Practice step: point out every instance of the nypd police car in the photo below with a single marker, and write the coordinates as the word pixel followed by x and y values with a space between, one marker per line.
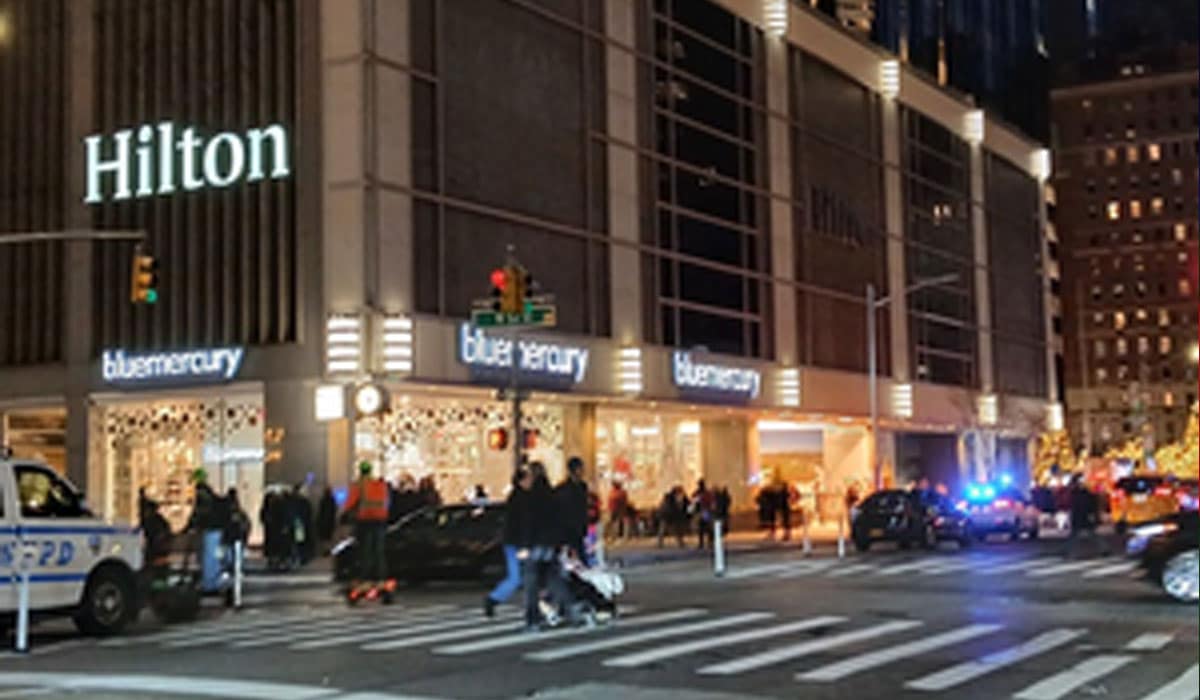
pixel 77 564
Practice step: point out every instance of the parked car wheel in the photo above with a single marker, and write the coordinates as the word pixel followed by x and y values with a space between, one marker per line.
pixel 1181 576
pixel 108 602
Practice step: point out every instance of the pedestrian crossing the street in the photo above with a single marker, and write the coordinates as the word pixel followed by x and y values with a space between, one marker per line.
pixel 837 647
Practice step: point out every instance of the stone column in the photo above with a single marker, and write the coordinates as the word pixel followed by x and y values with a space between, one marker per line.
pixel 983 285
pixel 897 271
pixel 779 154
pixel 729 450
pixel 302 445
pixel 625 289
pixel 579 437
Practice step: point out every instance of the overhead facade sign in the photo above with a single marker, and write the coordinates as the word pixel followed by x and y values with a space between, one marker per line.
pixel 159 159
pixel 532 357
pixel 213 364
pixel 712 378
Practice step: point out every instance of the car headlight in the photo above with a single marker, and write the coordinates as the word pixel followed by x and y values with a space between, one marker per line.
pixel 341 546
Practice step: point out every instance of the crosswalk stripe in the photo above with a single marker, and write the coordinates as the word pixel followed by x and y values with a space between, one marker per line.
pixel 1185 687
pixel 905 567
pixel 426 618
pixel 803 569
pixel 676 650
pixel 519 638
pixel 759 570
pixel 795 651
pixel 391 631
pixel 496 626
pixel 1112 569
pixel 570 650
pixel 1063 568
pixel 1061 684
pixel 324 624
pixel 956 675
pixel 1150 641
pixel 873 659
pixel 216 626
pixel 850 570
pixel 950 567
pixel 1019 565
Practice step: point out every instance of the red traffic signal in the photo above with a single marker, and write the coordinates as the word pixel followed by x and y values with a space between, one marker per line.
pixel 499 278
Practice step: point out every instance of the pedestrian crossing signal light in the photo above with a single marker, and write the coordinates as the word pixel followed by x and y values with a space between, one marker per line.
pixel 143 285
pixel 497 439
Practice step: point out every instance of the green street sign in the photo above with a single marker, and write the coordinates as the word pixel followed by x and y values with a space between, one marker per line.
pixel 541 315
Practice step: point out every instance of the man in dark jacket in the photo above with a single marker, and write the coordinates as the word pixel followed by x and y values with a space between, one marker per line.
pixel 571 497
pixel 516 511
pixel 540 540
pixel 1085 516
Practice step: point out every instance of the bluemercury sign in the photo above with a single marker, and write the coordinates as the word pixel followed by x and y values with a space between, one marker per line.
pixel 533 357
pixel 718 379
pixel 142 162
pixel 214 364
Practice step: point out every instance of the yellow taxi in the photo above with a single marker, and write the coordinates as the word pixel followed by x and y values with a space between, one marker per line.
pixel 1139 499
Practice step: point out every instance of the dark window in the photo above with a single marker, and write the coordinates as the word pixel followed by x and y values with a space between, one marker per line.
pixel 44 494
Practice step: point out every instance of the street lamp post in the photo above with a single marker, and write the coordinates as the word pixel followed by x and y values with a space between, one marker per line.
pixel 874 304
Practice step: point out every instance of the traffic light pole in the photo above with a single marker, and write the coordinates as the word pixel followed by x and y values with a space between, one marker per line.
pixel 70 235
pixel 514 389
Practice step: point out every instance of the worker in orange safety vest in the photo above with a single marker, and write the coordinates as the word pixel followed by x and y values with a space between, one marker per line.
pixel 367 508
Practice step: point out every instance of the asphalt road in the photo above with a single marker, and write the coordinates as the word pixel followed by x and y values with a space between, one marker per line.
pixel 1003 620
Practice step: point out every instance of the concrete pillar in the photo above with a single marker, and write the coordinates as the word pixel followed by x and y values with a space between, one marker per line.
pixel 1047 297
pixel 983 285
pixel 729 454
pixel 301 445
pixel 623 205
pixel 897 270
pixel 579 437
pixel 77 258
pixel 779 169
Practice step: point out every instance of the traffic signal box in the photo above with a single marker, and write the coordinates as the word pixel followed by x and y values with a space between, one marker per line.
pixel 143 283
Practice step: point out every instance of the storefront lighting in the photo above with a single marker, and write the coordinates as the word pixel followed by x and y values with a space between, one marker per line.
pixel 397 345
pixel 989 409
pixel 889 78
pixel 786 426
pixel 775 17
pixel 343 345
pixel 1040 164
pixel 1055 418
pixel 644 431
pixel 788 385
pixel 973 126
pixel 629 370
pixel 689 427
pixel 329 402
pixel 902 400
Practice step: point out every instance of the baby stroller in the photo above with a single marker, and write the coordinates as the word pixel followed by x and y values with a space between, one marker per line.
pixel 594 590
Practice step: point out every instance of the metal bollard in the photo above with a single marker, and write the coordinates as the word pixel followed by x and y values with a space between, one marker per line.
pixel 237 574
pixel 600 543
pixel 25 563
pixel 718 549
pixel 841 547
pixel 806 541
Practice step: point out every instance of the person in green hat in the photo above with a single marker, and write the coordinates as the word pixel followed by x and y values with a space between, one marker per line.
pixel 367 509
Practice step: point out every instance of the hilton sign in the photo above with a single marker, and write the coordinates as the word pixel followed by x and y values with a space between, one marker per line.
pixel 141 162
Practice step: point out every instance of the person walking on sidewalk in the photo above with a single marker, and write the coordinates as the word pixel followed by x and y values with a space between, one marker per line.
pixel 540 541
pixel 367 509
pixel 516 513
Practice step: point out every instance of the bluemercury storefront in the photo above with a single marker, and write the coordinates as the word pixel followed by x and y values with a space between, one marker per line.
pixel 163 415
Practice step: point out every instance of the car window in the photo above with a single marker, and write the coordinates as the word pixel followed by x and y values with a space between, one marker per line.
pixel 44 495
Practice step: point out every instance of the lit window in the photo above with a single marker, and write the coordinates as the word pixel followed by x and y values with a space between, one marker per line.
pixel 1143 345
pixel 1180 231
pixel 1156 206
pixel 1122 347
pixel 1135 209
pixel 1154 152
pixel 1098 318
pixel 1176 176
pixel 1141 288
pixel 1097 291
pixel 1118 290
pixel 1122 372
pixel 1087 104
pixel 1168 400
pixel 1131 153
pixel 1110 156
pixel 1142 315
pixel 1114 211
pixel 1119 320
pixel 1185 287
pixel 1164 318
pixel 1099 349
pixel 1164 345
pixel 1101 375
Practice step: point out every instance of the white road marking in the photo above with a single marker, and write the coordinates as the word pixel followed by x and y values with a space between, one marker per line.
pixel 392 631
pixel 519 638
pixel 1065 568
pixel 298 626
pixel 1151 641
pixel 850 570
pixel 906 567
pixel 805 568
pixel 425 619
pixel 226 622
pixel 873 659
pixel 272 580
pixel 648 656
pixel 1062 684
pixel 795 651
pixel 1185 687
pixel 452 635
pixel 1019 565
pixel 956 675
pixel 1111 569
pixel 187 685
pixel 950 567
pixel 607 642
pixel 758 570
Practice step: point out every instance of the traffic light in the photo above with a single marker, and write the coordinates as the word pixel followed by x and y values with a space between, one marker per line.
pixel 499 280
pixel 143 283
pixel 512 295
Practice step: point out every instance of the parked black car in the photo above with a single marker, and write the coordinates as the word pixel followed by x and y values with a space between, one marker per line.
pixel 908 518
pixel 1170 552
pixel 451 542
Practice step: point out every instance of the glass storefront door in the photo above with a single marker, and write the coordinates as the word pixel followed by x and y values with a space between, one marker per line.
pixel 157 444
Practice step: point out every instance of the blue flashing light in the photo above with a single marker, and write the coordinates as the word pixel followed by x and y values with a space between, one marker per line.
pixel 989 491
pixel 1006 480
pixel 974 493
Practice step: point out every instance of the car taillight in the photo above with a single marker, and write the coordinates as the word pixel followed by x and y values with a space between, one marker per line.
pixel 1162 491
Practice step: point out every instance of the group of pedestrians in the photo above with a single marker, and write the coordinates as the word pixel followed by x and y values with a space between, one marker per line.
pixel 291 530
pixel 775 503
pixel 678 514
pixel 541 521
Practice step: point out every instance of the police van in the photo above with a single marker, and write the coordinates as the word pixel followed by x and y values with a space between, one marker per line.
pixel 77 564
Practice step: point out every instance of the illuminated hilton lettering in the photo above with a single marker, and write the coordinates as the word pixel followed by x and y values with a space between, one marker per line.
pixel 142 163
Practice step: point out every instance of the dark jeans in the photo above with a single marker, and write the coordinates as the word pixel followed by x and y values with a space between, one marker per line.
pixel 540 569
pixel 372 565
